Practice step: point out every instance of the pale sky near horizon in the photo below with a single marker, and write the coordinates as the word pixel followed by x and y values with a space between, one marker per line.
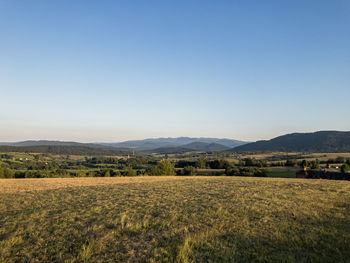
pixel 102 71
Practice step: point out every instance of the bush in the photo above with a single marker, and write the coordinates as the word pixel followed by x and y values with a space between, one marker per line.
pixel 304 164
pixel 90 174
pixel 189 170
pixel 164 167
pixel 6 173
pixel 315 164
pixel 36 174
pixel 291 163
pixel 340 159
pixel 201 164
pixel 344 168
pixel 260 173
pixel 20 174
pixel 130 172
pixel 219 164
pixel 232 171
pixel 115 173
pixel 246 171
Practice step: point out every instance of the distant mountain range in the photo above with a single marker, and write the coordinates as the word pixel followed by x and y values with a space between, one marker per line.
pixel 191 147
pixel 154 145
pixel 322 141
pixel 197 144
pixel 66 150
pixel 46 142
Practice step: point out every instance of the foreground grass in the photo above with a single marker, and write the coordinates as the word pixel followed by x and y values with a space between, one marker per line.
pixel 176 219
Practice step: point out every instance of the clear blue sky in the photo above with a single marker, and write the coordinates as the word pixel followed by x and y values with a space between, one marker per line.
pixel 117 70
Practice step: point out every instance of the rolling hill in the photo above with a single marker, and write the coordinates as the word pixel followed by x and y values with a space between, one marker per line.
pixel 48 143
pixel 321 141
pixel 206 147
pixel 191 147
pixel 65 149
pixel 157 143
pixel 168 150
pixel 154 145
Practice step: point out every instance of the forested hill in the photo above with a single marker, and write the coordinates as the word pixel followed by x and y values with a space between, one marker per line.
pixel 322 141
pixel 174 143
pixel 65 149
pixel 153 145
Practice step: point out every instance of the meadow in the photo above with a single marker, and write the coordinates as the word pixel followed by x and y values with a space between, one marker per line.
pixel 174 219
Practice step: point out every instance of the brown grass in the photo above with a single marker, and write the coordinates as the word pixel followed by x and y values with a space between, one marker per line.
pixel 174 219
pixel 37 184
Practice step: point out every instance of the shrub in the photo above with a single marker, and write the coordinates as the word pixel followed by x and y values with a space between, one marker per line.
pixel 164 167
pixel 35 174
pixel 315 164
pixel 304 163
pixel 6 173
pixel 291 163
pixel 130 172
pixel 232 171
pixel 115 173
pixel 219 164
pixel 246 171
pixel 189 170
pixel 344 168
pixel 201 164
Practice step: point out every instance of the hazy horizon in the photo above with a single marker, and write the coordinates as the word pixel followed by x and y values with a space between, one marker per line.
pixel 162 137
pixel 113 71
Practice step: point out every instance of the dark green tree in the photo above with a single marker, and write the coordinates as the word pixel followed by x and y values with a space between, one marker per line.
pixel 201 164
pixel 340 159
pixel 164 167
pixel 344 168
pixel 304 164
pixel 130 172
pixel 315 164
pixel 189 170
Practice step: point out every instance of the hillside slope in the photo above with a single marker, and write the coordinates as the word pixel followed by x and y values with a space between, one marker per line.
pixel 65 149
pixel 322 141
pixel 206 147
pixel 156 143
pixel 161 145
pixel 191 147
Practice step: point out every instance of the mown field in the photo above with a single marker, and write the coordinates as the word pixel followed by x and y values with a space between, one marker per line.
pixel 174 219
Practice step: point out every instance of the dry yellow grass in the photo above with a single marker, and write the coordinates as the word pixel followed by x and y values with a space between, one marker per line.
pixel 37 184
pixel 40 184
pixel 174 219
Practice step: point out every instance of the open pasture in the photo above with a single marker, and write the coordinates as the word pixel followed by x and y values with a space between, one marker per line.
pixel 174 219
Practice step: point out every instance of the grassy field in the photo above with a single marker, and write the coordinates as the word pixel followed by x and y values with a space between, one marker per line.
pixel 282 172
pixel 174 219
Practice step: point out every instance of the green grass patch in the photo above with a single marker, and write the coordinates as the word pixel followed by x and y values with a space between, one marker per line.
pixel 281 174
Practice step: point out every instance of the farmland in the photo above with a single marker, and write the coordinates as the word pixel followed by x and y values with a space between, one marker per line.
pixel 275 164
pixel 174 219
